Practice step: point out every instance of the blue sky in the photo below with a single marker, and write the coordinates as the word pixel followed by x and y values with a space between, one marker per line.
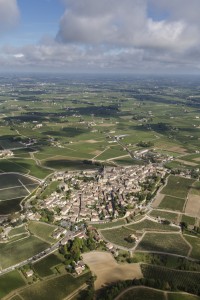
pixel 137 36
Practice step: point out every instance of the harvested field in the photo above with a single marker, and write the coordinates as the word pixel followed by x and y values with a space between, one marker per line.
pixel 188 163
pixel 193 206
pixel 158 200
pixel 108 270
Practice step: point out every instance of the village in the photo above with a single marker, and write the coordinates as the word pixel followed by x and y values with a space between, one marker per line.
pixel 97 196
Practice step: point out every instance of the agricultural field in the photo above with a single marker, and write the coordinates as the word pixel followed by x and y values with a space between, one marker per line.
pixel 17 231
pixel 195 243
pixel 192 207
pixel 110 224
pixel 10 282
pixel 42 231
pixel 188 220
pixel 177 186
pixel 183 280
pixel 170 216
pixel 44 267
pixel 164 242
pixel 118 236
pixel 172 203
pixel 12 253
pixel 107 270
pixel 148 225
pixel 59 287
pixel 139 293
pixel 14 187
pixel 180 296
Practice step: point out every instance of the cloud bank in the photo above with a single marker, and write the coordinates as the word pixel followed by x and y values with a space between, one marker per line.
pixel 9 15
pixel 129 35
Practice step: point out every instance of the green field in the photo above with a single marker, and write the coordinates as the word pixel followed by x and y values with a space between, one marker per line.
pixel 17 231
pixel 57 288
pixel 11 206
pixel 172 203
pixel 49 189
pixel 177 186
pixel 24 166
pixel 164 215
pixel 195 190
pixel 179 279
pixel 45 265
pixel 14 187
pixel 148 225
pixel 142 293
pixel 195 243
pixel 187 219
pixel 10 282
pixel 12 253
pixel 180 296
pixel 67 164
pixel 42 230
pixel 118 236
pixel 161 242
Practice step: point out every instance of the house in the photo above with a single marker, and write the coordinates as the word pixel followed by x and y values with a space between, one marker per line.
pixel 78 270
pixel 29 273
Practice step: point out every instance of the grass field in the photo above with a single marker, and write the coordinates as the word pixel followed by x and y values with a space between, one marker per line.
pixel 12 253
pixel 164 215
pixel 170 243
pixel 172 203
pixel 118 236
pixel 177 186
pixel 56 288
pixel 42 230
pixel 45 265
pixel 10 282
pixel 148 225
pixel 195 243
pixel 141 293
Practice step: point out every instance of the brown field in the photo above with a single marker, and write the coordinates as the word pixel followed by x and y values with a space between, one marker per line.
pixel 193 206
pixel 158 200
pixel 107 270
pixel 188 163
pixel 197 159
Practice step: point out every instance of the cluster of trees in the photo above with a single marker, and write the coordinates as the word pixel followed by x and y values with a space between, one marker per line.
pixel 73 249
pixel 145 144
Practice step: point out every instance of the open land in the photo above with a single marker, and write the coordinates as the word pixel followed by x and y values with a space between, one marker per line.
pixel 52 127
pixel 108 270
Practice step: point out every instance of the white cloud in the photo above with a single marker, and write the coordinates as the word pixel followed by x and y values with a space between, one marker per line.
pixel 9 14
pixel 115 35
pixel 127 23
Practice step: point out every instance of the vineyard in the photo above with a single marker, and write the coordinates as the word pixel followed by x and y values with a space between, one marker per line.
pixel 173 279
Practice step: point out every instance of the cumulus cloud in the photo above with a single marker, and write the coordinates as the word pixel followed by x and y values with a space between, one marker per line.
pixel 127 23
pixel 9 14
pixel 115 35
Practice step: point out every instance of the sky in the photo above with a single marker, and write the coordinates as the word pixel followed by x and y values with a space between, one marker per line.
pixel 130 36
